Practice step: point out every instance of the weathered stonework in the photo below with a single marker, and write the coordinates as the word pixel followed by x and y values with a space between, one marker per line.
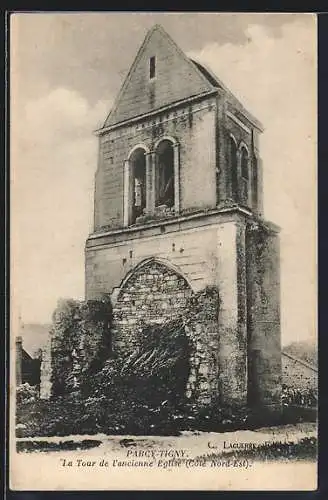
pixel 264 342
pixel 203 330
pixel 156 294
pixel 218 249
pixel 212 235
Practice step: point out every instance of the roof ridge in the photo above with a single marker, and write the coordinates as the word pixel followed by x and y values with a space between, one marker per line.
pixel 305 363
pixel 249 116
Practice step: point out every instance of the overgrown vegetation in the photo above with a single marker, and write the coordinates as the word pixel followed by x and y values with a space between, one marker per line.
pixel 299 397
pixel 30 446
pixel 142 394
pixel 73 414
pixel 26 393
pixel 125 416
pixel 156 371
pixel 80 342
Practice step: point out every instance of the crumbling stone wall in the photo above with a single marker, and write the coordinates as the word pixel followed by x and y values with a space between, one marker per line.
pixel 264 340
pixel 203 329
pixel 155 294
pixel 80 342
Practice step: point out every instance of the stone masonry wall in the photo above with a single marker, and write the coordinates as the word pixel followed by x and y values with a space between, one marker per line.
pixel 192 125
pixel 263 300
pixel 193 253
pixel 219 252
pixel 155 294
pixel 232 315
pixel 203 329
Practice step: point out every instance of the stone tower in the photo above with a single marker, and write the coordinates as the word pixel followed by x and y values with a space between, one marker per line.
pixel 178 207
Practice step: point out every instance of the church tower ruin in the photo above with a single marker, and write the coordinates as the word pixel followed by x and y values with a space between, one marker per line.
pixel 178 207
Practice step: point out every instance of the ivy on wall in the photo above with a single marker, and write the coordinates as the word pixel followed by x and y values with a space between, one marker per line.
pixel 80 341
pixel 155 371
pixel 83 362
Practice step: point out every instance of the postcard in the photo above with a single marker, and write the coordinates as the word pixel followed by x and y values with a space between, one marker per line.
pixel 163 251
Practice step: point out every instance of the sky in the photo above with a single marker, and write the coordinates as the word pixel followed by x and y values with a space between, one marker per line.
pixel 66 70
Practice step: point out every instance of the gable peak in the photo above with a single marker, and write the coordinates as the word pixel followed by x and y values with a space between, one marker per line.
pixel 157 27
pixel 135 88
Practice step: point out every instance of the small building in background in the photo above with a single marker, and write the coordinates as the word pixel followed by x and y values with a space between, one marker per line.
pixel 27 367
pixel 297 374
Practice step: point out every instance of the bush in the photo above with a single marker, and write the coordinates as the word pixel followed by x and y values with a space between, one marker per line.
pixel 140 394
pixel 305 449
pixel 26 393
pixel 157 370
pixel 299 397
pixel 67 415
pixel 123 416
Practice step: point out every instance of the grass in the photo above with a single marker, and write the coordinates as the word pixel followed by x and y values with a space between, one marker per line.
pixel 69 416
pixel 32 446
pixel 305 449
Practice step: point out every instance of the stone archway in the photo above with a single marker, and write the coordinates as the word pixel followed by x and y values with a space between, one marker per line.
pixel 152 293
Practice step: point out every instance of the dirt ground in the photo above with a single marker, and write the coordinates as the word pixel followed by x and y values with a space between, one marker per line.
pixel 198 443
pixel 113 463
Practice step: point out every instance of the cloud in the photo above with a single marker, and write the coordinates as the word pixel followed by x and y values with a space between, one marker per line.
pixel 54 155
pixel 275 79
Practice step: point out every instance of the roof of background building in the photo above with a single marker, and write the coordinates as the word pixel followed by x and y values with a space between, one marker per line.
pixel 300 361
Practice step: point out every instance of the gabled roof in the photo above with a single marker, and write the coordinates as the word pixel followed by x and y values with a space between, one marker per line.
pixel 300 361
pixel 134 97
pixel 26 356
pixel 216 82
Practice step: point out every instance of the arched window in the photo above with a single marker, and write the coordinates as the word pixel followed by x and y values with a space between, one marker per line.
pixel 233 168
pixel 255 183
pixel 138 189
pixel 244 167
pixel 164 175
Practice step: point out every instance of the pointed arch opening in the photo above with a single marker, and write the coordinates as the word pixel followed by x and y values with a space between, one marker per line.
pixel 149 262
